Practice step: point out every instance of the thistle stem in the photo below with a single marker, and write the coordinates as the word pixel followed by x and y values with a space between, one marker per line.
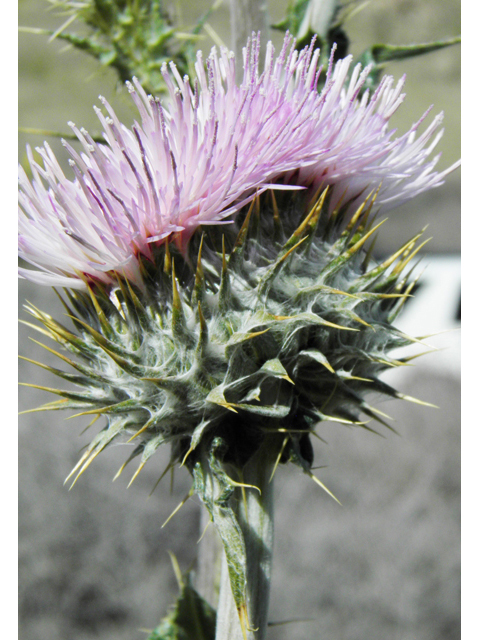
pixel 255 516
pixel 210 552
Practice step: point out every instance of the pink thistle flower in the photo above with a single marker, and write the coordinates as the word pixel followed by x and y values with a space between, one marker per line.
pixel 199 159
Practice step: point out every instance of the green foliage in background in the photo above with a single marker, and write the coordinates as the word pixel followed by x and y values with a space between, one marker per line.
pixel 325 21
pixel 135 37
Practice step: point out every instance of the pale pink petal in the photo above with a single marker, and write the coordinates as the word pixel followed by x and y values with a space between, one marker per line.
pixel 203 154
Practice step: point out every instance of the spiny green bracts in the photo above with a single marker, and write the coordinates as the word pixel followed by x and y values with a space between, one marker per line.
pixel 266 328
pixel 259 337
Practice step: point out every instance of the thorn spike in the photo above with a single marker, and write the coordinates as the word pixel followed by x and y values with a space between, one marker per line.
pixel 199 286
pixel 178 507
pixel 167 264
pixel 140 467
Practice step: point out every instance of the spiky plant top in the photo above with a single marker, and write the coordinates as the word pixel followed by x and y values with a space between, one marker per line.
pixel 239 342
pixel 283 323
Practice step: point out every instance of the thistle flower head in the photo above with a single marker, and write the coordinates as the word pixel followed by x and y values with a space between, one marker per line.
pixel 201 156
pixel 285 322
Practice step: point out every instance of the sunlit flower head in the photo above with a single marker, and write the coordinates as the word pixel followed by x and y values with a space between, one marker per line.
pixel 200 156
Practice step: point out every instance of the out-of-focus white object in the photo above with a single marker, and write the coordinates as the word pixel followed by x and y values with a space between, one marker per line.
pixel 317 18
pixel 433 310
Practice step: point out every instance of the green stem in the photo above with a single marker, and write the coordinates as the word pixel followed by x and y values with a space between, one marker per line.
pixel 255 515
pixel 210 552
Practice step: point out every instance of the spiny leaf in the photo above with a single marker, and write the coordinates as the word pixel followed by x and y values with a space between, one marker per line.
pixel 359 213
pixel 84 398
pixel 307 226
pixel 198 293
pixel 202 343
pixel 344 257
pixel 107 328
pixel 366 279
pixel 136 452
pixel 81 381
pixel 86 371
pixel 48 406
pixel 240 241
pixel 277 222
pixel 275 367
pixel 214 488
pixel 383 53
pixel 267 281
pixel 216 396
pixel 192 618
pixel 103 342
pixel 276 411
pixel 224 292
pixel 167 265
pixel 179 325
pixel 316 356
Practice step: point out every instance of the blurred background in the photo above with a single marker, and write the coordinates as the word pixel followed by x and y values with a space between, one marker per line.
pixel 94 562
